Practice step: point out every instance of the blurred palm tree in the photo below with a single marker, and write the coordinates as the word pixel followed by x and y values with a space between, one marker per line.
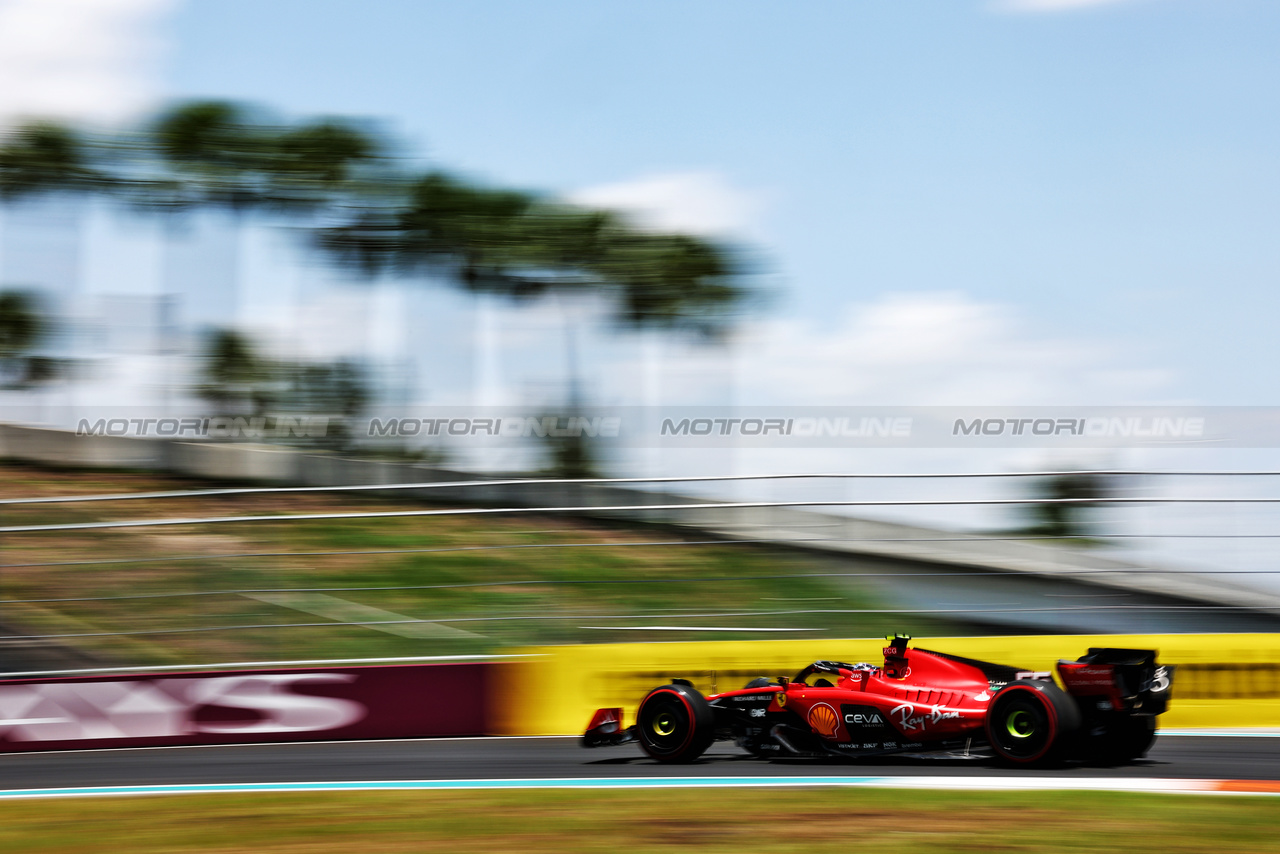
pixel 46 157
pixel 334 178
pixel 236 379
pixel 517 245
pixel 339 391
pixel 22 326
pixel 326 160
pixel 212 150
pixel 39 159
pixel 218 155
pixel 222 154
pixel 1083 493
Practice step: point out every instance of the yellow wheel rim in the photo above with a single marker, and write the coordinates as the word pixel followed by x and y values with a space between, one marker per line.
pixel 1021 724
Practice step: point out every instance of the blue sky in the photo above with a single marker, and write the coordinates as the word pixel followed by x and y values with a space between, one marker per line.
pixel 1107 173
pixel 961 201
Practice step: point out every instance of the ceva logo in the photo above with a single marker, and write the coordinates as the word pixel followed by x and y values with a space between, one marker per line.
pixel 864 720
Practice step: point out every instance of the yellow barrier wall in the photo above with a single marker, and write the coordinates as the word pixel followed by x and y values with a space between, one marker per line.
pixel 1230 680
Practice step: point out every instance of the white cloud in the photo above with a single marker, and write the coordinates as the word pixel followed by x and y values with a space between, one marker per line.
pixel 83 59
pixel 939 349
pixel 928 349
pixel 696 202
pixel 1052 5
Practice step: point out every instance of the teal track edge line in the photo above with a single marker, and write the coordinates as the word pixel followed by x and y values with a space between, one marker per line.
pixel 427 785
pixel 1112 784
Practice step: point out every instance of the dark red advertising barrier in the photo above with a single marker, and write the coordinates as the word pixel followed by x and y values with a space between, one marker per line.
pixel 245 706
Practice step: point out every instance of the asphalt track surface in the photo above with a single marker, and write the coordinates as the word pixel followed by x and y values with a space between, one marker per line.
pixel 1239 758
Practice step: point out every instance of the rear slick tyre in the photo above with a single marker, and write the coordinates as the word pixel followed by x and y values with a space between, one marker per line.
pixel 1031 723
pixel 675 724
pixel 1127 739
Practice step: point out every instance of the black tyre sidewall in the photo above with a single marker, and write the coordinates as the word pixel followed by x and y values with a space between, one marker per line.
pixel 695 724
pixel 1128 739
pixel 1038 700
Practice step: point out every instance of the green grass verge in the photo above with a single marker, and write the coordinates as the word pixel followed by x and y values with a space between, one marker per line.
pixel 705 820
pixel 680 580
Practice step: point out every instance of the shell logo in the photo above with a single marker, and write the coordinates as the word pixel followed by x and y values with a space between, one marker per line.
pixel 824 720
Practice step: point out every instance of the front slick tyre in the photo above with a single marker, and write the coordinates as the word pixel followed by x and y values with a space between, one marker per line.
pixel 1031 723
pixel 675 724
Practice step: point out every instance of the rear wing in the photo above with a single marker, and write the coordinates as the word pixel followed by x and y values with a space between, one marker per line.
pixel 1121 680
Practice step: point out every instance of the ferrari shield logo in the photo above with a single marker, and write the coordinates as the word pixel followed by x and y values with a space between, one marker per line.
pixel 782 699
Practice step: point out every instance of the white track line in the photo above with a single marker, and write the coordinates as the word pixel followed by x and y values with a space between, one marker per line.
pixel 407 740
pixel 1202 733
pixel 261 665
pixel 1221 732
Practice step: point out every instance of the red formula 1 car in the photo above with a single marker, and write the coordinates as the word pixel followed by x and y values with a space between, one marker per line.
pixel 918 702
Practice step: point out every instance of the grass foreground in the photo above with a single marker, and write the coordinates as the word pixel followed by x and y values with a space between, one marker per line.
pixel 706 820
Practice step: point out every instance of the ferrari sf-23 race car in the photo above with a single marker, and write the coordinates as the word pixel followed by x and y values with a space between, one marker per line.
pixel 918 702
